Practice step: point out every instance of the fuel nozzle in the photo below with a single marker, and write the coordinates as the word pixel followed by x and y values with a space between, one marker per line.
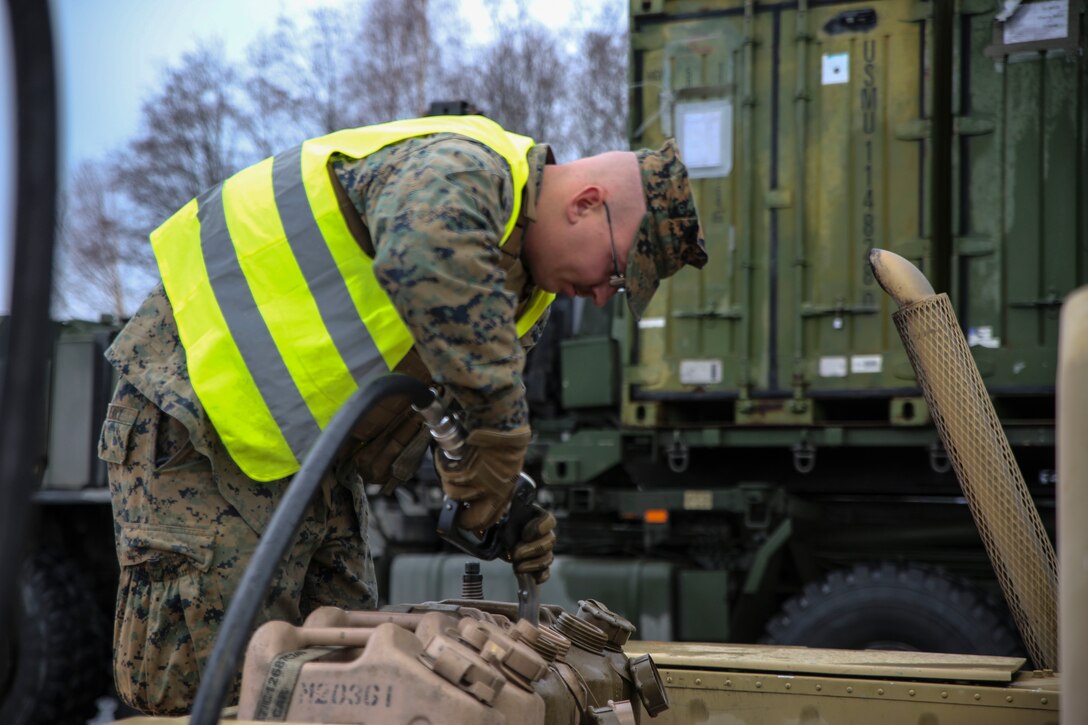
pixel 498 541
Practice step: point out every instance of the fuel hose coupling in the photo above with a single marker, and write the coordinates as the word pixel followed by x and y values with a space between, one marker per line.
pixel 446 430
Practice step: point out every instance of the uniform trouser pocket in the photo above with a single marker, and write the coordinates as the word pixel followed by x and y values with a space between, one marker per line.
pixel 167 511
pixel 186 526
pixel 169 605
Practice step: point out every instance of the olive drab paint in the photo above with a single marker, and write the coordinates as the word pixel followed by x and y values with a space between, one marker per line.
pixel 773 381
pixel 831 136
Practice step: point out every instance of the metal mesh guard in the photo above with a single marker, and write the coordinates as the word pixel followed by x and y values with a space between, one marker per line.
pixel 1004 512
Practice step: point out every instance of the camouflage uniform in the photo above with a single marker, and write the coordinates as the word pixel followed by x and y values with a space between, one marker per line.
pixel 187 519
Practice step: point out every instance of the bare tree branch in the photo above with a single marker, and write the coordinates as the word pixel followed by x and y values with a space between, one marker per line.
pixel 276 113
pixel 519 79
pixel 104 266
pixel 189 140
pixel 392 74
pixel 598 101
pixel 363 63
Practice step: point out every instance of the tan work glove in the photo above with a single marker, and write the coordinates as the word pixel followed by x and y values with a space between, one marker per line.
pixel 533 554
pixel 389 456
pixel 485 478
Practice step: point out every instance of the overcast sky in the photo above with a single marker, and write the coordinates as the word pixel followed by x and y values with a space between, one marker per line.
pixel 111 54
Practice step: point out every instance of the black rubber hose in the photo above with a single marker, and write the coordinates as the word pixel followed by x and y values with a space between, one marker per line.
pixel 22 391
pixel 237 625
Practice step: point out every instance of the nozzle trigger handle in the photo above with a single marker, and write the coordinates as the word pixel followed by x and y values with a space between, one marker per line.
pixel 500 539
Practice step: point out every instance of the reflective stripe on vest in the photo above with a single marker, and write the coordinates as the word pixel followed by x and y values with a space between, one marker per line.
pixel 279 312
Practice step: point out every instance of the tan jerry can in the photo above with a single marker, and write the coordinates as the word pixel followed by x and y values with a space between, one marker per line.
pixel 387 673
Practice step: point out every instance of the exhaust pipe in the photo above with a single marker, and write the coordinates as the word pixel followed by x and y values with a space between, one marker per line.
pixel 1019 548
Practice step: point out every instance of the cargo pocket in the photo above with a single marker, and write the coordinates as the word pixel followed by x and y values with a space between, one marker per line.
pixel 153 544
pixel 114 443
pixel 169 606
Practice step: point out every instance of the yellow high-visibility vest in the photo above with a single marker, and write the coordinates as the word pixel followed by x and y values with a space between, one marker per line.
pixel 279 311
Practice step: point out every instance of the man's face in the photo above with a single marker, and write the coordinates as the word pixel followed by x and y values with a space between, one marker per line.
pixel 583 262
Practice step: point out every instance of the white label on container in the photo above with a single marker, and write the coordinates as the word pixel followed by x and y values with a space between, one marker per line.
pixel 698 500
pixel 866 363
pixel 836 68
pixel 1032 22
pixel 706 127
pixel 700 372
pixel 651 323
pixel 705 136
pixel 983 336
pixel 833 366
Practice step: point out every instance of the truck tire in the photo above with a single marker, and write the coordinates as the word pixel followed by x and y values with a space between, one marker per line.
pixel 60 654
pixel 894 607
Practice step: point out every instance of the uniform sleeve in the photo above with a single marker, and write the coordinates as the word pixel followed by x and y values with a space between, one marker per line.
pixel 436 222
pixel 533 335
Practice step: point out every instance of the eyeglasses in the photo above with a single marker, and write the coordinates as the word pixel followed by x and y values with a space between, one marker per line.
pixel 617 281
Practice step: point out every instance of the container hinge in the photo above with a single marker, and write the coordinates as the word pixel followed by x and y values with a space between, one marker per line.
pixel 733 313
pixel 973 246
pixel 804 457
pixel 1051 300
pixel 973 126
pixel 916 130
pixel 838 310
pixel 939 461
pixel 778 199
pixel 678 454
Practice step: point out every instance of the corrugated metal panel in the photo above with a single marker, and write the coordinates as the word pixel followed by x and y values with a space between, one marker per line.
pixel 825 160
pixel 857 132
pixel 678 63
pixel 815 124
pixel 1021 150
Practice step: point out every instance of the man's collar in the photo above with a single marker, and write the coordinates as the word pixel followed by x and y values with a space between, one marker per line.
pixel 538 157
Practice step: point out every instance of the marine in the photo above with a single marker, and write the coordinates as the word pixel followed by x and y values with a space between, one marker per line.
pixel 460 234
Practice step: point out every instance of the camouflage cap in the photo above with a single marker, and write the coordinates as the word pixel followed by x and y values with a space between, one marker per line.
pixel 670 235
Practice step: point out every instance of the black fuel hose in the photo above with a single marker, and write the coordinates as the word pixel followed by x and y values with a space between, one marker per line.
pixel 237 625
pixel 33 171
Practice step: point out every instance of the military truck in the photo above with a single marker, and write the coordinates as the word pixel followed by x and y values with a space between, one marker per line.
pixel 61 656
pixel 469 659
pixel 754 458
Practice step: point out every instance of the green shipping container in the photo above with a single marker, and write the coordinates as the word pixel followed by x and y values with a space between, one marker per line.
pixel 773 443
pixel 816 131
pixel 1019 199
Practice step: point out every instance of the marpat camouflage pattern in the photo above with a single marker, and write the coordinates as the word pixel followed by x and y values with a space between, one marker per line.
pixel 670 235
pixel 187 519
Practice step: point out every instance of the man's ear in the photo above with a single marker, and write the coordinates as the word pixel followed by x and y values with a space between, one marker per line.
pixel 585 201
